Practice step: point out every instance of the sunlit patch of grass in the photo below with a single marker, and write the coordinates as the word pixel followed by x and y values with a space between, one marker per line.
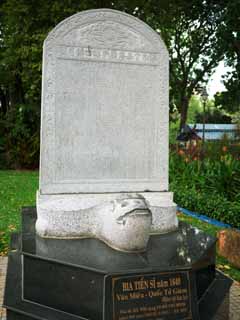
pixel 222 263
pixel 17 189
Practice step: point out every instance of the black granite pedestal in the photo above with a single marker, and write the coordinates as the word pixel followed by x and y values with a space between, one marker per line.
pixel 175 279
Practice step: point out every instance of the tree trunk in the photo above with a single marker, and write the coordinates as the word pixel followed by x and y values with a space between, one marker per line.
pixel 3 102
pixel 16 93
pixel 184 111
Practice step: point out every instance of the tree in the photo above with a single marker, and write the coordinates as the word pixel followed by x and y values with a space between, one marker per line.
pixel 229 100
pixel 24 25
pixel 194 49
pixel 192 31
pixel 188 28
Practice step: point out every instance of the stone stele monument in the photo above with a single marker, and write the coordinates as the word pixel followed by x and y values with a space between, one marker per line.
pixel 104 131
pixel 104 186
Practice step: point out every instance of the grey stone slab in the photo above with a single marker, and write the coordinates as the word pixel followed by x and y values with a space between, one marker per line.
pixel 104 129
pixel 104 106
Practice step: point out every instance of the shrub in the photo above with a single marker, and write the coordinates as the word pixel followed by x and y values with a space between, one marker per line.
pixel 208 186
pixel 20 128
pixel 211 204
pixel 213 116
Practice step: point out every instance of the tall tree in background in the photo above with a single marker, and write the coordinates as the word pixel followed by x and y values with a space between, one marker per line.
pixel 188 27
pixel 196 32
pixel 24 24
pixel 229 100
pixel 194 48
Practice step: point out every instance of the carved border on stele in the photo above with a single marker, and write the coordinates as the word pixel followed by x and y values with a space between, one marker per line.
pixel 89 17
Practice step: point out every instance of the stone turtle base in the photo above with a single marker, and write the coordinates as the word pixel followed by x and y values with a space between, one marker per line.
pixel 76 279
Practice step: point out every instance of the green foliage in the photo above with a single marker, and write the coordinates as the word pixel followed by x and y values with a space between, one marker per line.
pixel 209 186
pixel 173 131
pixel 195 107
pixel 222 263
pixel 210 204
pixel 230 39
pixel 213 112
pixel 19 130
pixel 17 189
pixel 23 27
pixel 229 100
pixel 188 28
pixel 194 49
pixel 24 24
pixel 197 34
pixel 213 115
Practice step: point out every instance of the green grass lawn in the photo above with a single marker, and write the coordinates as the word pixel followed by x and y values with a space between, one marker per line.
pixel 222 263
pixel 18 189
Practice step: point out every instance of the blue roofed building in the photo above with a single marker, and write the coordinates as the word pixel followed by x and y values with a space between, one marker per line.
pixel 216 131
